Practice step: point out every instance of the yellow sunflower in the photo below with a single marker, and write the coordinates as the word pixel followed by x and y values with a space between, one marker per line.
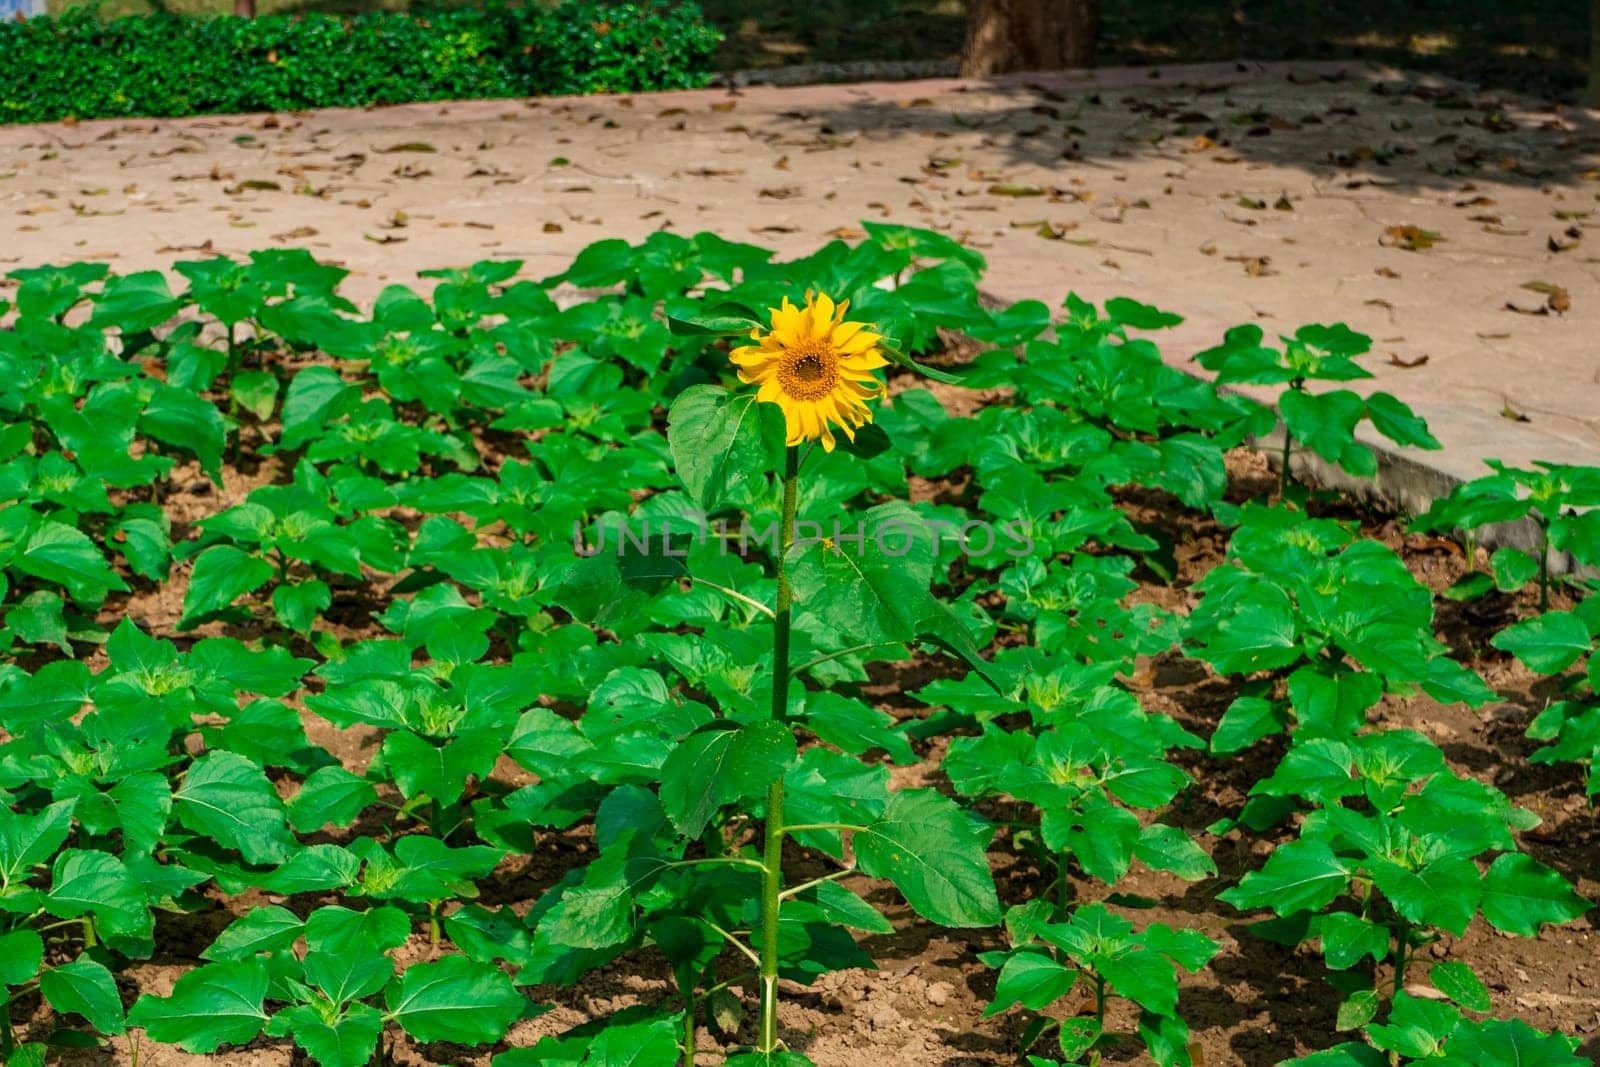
pixel 815 366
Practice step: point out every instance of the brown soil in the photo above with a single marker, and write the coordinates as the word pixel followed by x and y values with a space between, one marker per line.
pixel 1256 1004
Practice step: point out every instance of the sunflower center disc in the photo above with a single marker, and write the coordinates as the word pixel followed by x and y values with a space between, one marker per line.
pixel 809 372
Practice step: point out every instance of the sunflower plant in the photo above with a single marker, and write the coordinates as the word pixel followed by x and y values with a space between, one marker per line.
pixel 867 586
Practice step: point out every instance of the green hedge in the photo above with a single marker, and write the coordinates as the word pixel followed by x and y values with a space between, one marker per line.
pixel 166 65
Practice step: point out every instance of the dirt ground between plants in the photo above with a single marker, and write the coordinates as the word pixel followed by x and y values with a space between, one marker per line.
pixel 1256 1004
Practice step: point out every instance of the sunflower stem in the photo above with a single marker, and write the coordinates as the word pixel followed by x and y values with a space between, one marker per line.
pixel 772 851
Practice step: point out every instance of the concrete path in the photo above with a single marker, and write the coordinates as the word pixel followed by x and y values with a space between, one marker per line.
pixel 1278 194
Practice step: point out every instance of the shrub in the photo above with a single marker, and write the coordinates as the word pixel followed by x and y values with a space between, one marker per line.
pixel 170 65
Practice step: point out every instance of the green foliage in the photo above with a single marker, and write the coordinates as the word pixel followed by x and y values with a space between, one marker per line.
pixel 1421 1030
pixel 1324 422
pixel 1557 498
pixel 168 65
pixel 559 527
pixel 1101 950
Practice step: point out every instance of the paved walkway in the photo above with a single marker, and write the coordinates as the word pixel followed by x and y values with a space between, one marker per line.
pixel 1278 194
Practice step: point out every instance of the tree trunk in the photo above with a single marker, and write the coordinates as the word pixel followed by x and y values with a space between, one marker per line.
pixel 1591 98
pixel 245 8
pixel 1004 36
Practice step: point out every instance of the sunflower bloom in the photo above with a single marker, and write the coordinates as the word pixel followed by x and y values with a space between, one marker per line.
pixel 816 367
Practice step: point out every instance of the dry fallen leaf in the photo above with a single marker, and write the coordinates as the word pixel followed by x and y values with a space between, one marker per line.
pixel 1509 412
pixel 1409 238
pixel 1014 189
pixel 1557 298
pixel 553 227
pixel 1555 244
pixel 1054 231
pixel 1407 364
pixel 408 146
pixel 1255 266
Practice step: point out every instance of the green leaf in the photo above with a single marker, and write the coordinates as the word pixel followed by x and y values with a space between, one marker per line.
pixel 1347 939
pixel 1078 1035
pixel 315 396
pixel 134 303
pixel 1417 1028
pixel 485 935
pixel 1520 894
pixel 645 1044
pixel 1332 705
pixel 226 797
pixel 723 319
pixel 84 987
pixel 777 1058
pixel 1358 1009
pixel 1549 643
pixel 1512 568
pixel 1298 876
pixel 439 768
pixel 1323 422
pixel 1445 893
pixel 1130 312
pixel 930 850
pixel 1032 979
pixel 211 1006
pixel 1398 422
pixel 345 955
pixel 298 604
pixel 56 552
pixel 1513 1043
pixel 456 1000
pixel 1458 982
pixel 717 446
pixel 1470 586
pixel 349 1040
pixel 28 841
pixel 720 765
pixel 87 882
pixel 1190 949
pixel 184 420
pixel 1167 848
pixel 256 391
pixel 330 795
pixel 21 954
pixel 1260 634
pixel 1247 720
pixel 871 585
pixel 222 574
pixel 264 929
pixel 1147 978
